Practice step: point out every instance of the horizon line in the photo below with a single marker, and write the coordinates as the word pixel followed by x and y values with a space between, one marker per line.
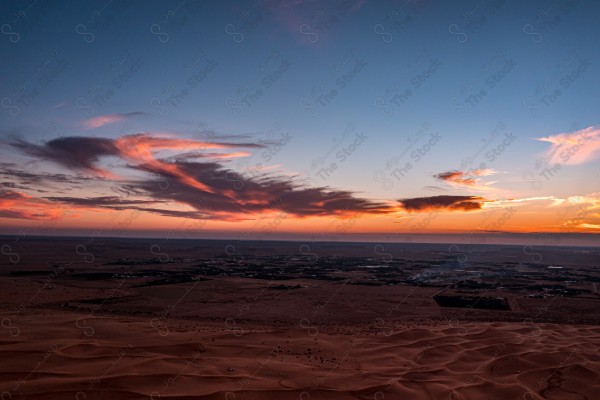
pixel 440 241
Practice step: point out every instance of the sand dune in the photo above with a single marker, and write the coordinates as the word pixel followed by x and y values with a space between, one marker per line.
pixel 54 356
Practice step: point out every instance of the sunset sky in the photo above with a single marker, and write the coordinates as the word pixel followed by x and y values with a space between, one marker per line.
pixel 319 120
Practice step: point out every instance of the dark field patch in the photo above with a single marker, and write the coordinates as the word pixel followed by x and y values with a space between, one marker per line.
pixel 478 302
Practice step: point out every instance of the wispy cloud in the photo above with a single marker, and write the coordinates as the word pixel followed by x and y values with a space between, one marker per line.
pixel 574 147
pixel 102 120
pixel 59 105
pixel 14 204
pixel 215 156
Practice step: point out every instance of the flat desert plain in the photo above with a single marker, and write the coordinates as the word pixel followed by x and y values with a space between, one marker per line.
pixel 173 319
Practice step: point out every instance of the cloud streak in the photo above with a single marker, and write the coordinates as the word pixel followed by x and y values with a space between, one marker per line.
pixel 107 119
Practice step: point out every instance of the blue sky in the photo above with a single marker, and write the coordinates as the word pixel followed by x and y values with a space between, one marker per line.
pixel 318 73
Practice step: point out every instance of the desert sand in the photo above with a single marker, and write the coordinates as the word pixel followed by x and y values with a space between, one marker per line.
pixel 137 328
pixel 62 356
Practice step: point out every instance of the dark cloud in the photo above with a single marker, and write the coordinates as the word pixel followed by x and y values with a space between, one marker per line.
pixel 244 144
pixel 467 178
pixel 45 182
pixel 103 201
pixel 208 187
pixel 174 213
pixel 79 153
pixel 19 214
pixel 6 195
pixel 10 172
pixel 83 153
pixel 450 203
pixel 455 177
pixel 233 192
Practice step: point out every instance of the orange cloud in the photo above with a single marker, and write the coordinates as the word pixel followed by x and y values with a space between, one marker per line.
pixel 141 149
pixel 22 206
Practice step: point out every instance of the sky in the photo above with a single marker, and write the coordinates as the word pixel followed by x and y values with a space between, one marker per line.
pixel 409 120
